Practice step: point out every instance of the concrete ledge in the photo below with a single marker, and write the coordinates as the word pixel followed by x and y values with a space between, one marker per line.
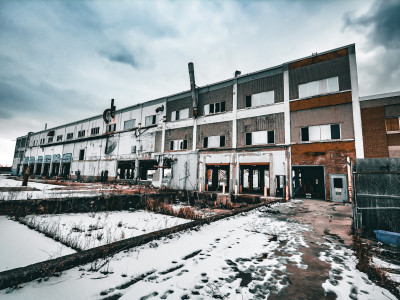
pixel 12 278
pixel 107 202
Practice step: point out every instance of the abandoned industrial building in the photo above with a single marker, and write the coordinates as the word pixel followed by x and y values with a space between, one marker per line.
pixel 287 131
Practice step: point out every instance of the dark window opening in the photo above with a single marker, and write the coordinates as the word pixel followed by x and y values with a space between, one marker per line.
pixel 304 134
pixel 222 141
pixel 171 145
pixel 222 106
pixel 271 137
pixel 248 101
pixel 205 142
pixel 217 107
pixel 70 136
pixel 248 138
pixel 338 183
pixel 335 131
pixel 81 154
pixel 211 108
pixel 185 144
pixel 176 116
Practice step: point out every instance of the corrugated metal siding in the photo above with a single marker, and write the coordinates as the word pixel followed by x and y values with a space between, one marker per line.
pixel 222 128
pixel 260 85
pixel 185 133
pixel 179 104
pixel 269 122
pixel 223 94
pixel 342 114
pixel 338 67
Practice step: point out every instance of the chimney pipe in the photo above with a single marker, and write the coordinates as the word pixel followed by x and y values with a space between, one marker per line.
pixel 45 126
pixel 193 88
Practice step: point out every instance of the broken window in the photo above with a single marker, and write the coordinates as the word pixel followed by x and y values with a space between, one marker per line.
pixel 328 85
pixel 95 130
pixel 178 145
pixel 42 141
pixel 59 138
pixel 150 120
pixel 214 108
pixel 262 98
pixel 320 133
pixel 81 133
pixel 180 114
pixel 70 135
pixel 214 141
pixel 111 127
pixel 260 137
pixel 129 124
pixel 50 139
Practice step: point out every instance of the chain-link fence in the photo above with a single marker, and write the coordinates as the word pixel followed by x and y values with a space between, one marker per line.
pixel 377 194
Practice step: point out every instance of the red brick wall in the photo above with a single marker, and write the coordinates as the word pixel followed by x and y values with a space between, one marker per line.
pixel 374 132
pixel 330 155
pixel 393 139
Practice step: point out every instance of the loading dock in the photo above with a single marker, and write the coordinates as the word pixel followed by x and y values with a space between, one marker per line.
pixel 217 175
pixel 126 169
pixel 309 182
pixel 147 168
pixel 254 178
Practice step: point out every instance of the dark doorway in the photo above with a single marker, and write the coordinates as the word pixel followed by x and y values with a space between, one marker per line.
pixel 216 177
pixel 46 168
pixel 147 168
pixel 65 170
pixel 254 178
pixel 38 169
pixel 308 182
pixel 126 169
pixel 31 167
pixel 55 168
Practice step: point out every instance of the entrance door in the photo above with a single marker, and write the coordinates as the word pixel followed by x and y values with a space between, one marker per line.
pixel 254 178
pixel 309 182
pixel 216 177
pixel 338 188
pixel 66 167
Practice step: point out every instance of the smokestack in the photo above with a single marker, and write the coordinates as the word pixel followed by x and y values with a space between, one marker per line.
pixel 193 88
pixel 45 126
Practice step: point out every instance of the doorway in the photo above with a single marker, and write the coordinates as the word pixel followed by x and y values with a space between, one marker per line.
pixel 55 168
pixel 147 169
pixel 338 187
pixel 254 178
pixel 126 169
pixel 309 182
pixel 38 169
pixel 217 176
pixel 65 170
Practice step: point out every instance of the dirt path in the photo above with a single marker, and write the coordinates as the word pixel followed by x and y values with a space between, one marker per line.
pixel 326 219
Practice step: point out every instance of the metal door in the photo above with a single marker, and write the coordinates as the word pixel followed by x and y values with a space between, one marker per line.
pixel 338 187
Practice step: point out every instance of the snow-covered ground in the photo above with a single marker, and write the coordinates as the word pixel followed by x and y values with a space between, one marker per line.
pixel 391 270
pixel 7 182
pixel 45 191
pixel 242 257
pixel 88 230
pixel 21 246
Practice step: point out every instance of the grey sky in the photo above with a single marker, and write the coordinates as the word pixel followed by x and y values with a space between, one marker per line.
pixel 63 61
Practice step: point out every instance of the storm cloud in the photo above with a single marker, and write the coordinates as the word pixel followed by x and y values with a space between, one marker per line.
pixel 62 61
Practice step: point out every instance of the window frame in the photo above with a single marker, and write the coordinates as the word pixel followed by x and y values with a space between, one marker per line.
pixel 214 108
pixel 320 133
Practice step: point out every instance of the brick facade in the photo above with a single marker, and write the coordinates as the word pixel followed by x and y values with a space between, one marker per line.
pixel 331 155
pixel 185 133
pixel 374 132
pixel 213 96
pixel 215 129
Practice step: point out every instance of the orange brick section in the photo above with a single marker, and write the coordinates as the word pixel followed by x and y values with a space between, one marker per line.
pixel 321 101
pixel 319 58
pixel 330 155
pixel 374 132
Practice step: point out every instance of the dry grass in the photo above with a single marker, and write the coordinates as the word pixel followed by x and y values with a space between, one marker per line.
pixel 364 254
pixel 166 209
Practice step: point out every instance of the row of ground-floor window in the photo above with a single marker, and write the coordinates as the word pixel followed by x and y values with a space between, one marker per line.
pixel 254 178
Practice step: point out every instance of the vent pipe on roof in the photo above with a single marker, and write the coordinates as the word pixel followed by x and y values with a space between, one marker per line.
pixel 237 73
pixel 193 89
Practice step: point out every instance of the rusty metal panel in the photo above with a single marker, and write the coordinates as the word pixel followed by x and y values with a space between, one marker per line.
pixel 261 123
pixel 338 67
pixel 265 84
pixel 179 104
pixel 215 129
pixel 213 96
pixel 185 133
pixel 338 114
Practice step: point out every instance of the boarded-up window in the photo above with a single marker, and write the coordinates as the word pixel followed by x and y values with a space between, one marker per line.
pixel 392 124
pixel 328 85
